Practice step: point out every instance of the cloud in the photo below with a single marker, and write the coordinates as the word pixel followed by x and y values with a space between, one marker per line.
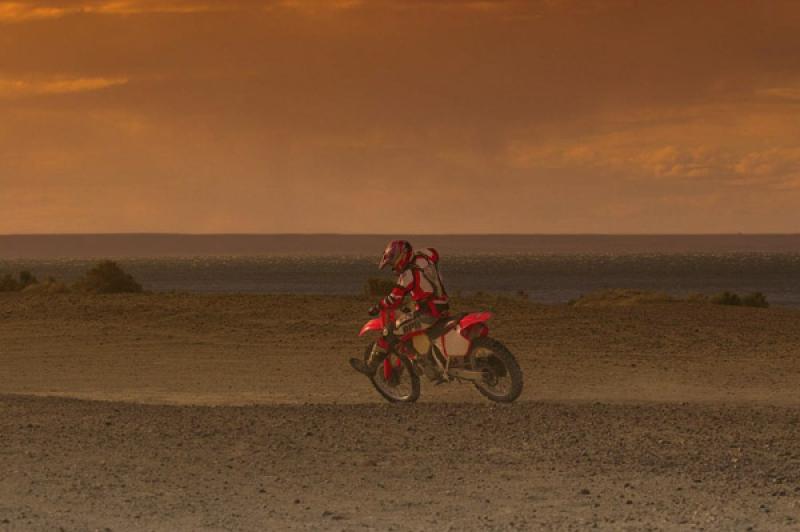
pixel 777 166
pixel 637 157
pixel 477 5
pixel 14 88
pixel 313 7
pixel 530 7
pixel 11 12
pixel 620 154
pixel 781 93
pixel 331 4
pixel 681 162
pixel 23 11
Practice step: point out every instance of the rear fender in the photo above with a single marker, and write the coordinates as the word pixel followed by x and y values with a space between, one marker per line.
pixel 474 325
pixel 473 318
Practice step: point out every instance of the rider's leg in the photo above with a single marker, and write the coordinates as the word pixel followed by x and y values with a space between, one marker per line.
pixel 376 356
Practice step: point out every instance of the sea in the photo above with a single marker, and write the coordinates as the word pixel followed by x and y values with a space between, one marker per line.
pixel 546 268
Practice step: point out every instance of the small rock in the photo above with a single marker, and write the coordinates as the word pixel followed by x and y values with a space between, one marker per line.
pixel 585 491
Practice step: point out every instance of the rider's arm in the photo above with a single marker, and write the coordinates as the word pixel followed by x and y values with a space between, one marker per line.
pixel 399 292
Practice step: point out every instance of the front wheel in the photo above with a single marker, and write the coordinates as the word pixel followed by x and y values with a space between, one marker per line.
pixel 395 379
pixel 502 379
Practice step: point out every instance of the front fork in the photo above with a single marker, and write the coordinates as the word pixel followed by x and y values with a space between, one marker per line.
pixel 381 351
pixel 385 345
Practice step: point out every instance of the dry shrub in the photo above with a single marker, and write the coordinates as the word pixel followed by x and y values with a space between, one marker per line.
pixel 726 298
pixel 756 299
pixel 9 284
pixel 108 278
pixel 24 280
pixel 27 279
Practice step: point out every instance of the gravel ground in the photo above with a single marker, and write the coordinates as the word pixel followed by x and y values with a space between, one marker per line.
pixel 86 465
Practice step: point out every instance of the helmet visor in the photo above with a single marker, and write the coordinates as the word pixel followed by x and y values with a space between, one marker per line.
pixel 393 254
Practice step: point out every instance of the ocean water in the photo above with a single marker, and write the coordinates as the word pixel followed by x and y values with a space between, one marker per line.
pixel 545 277
pixel 170 245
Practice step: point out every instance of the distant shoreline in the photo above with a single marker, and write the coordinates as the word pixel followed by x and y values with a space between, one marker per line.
pixel 124 245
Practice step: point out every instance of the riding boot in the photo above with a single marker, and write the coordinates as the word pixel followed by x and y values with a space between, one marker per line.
pixel 376 356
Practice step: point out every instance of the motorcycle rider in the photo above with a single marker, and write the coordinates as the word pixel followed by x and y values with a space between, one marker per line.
pixel 418 276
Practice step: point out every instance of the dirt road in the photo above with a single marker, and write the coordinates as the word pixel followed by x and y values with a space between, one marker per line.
pixel 241 349
pixel 653 417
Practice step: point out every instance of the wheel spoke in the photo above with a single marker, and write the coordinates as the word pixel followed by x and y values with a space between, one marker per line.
pixel 498 382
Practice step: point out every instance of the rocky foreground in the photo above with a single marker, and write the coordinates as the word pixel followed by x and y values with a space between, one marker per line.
pixel 96 465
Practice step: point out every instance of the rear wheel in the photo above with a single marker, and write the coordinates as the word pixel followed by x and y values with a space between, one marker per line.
pixel 502 376
pixel 397 384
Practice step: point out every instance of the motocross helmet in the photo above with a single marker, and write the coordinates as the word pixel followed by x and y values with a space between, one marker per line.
pixel 397 253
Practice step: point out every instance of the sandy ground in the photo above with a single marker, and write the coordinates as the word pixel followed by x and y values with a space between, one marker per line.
pixel 664 416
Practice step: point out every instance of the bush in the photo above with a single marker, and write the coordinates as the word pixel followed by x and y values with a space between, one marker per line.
pixel 26 279
pixel 756 299
pixel 108 278
pixel 9 284
pixel 726 298
pixel 378 286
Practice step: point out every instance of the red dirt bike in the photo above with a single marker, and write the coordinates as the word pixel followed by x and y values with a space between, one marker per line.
pixel 456 348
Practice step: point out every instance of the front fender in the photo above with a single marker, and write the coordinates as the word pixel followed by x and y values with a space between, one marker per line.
pixel 372 325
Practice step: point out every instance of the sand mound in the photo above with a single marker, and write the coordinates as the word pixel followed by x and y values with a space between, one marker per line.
pixel 621 297
pixel 47 287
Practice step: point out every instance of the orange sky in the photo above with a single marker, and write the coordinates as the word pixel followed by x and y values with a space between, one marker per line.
pixel 400 117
